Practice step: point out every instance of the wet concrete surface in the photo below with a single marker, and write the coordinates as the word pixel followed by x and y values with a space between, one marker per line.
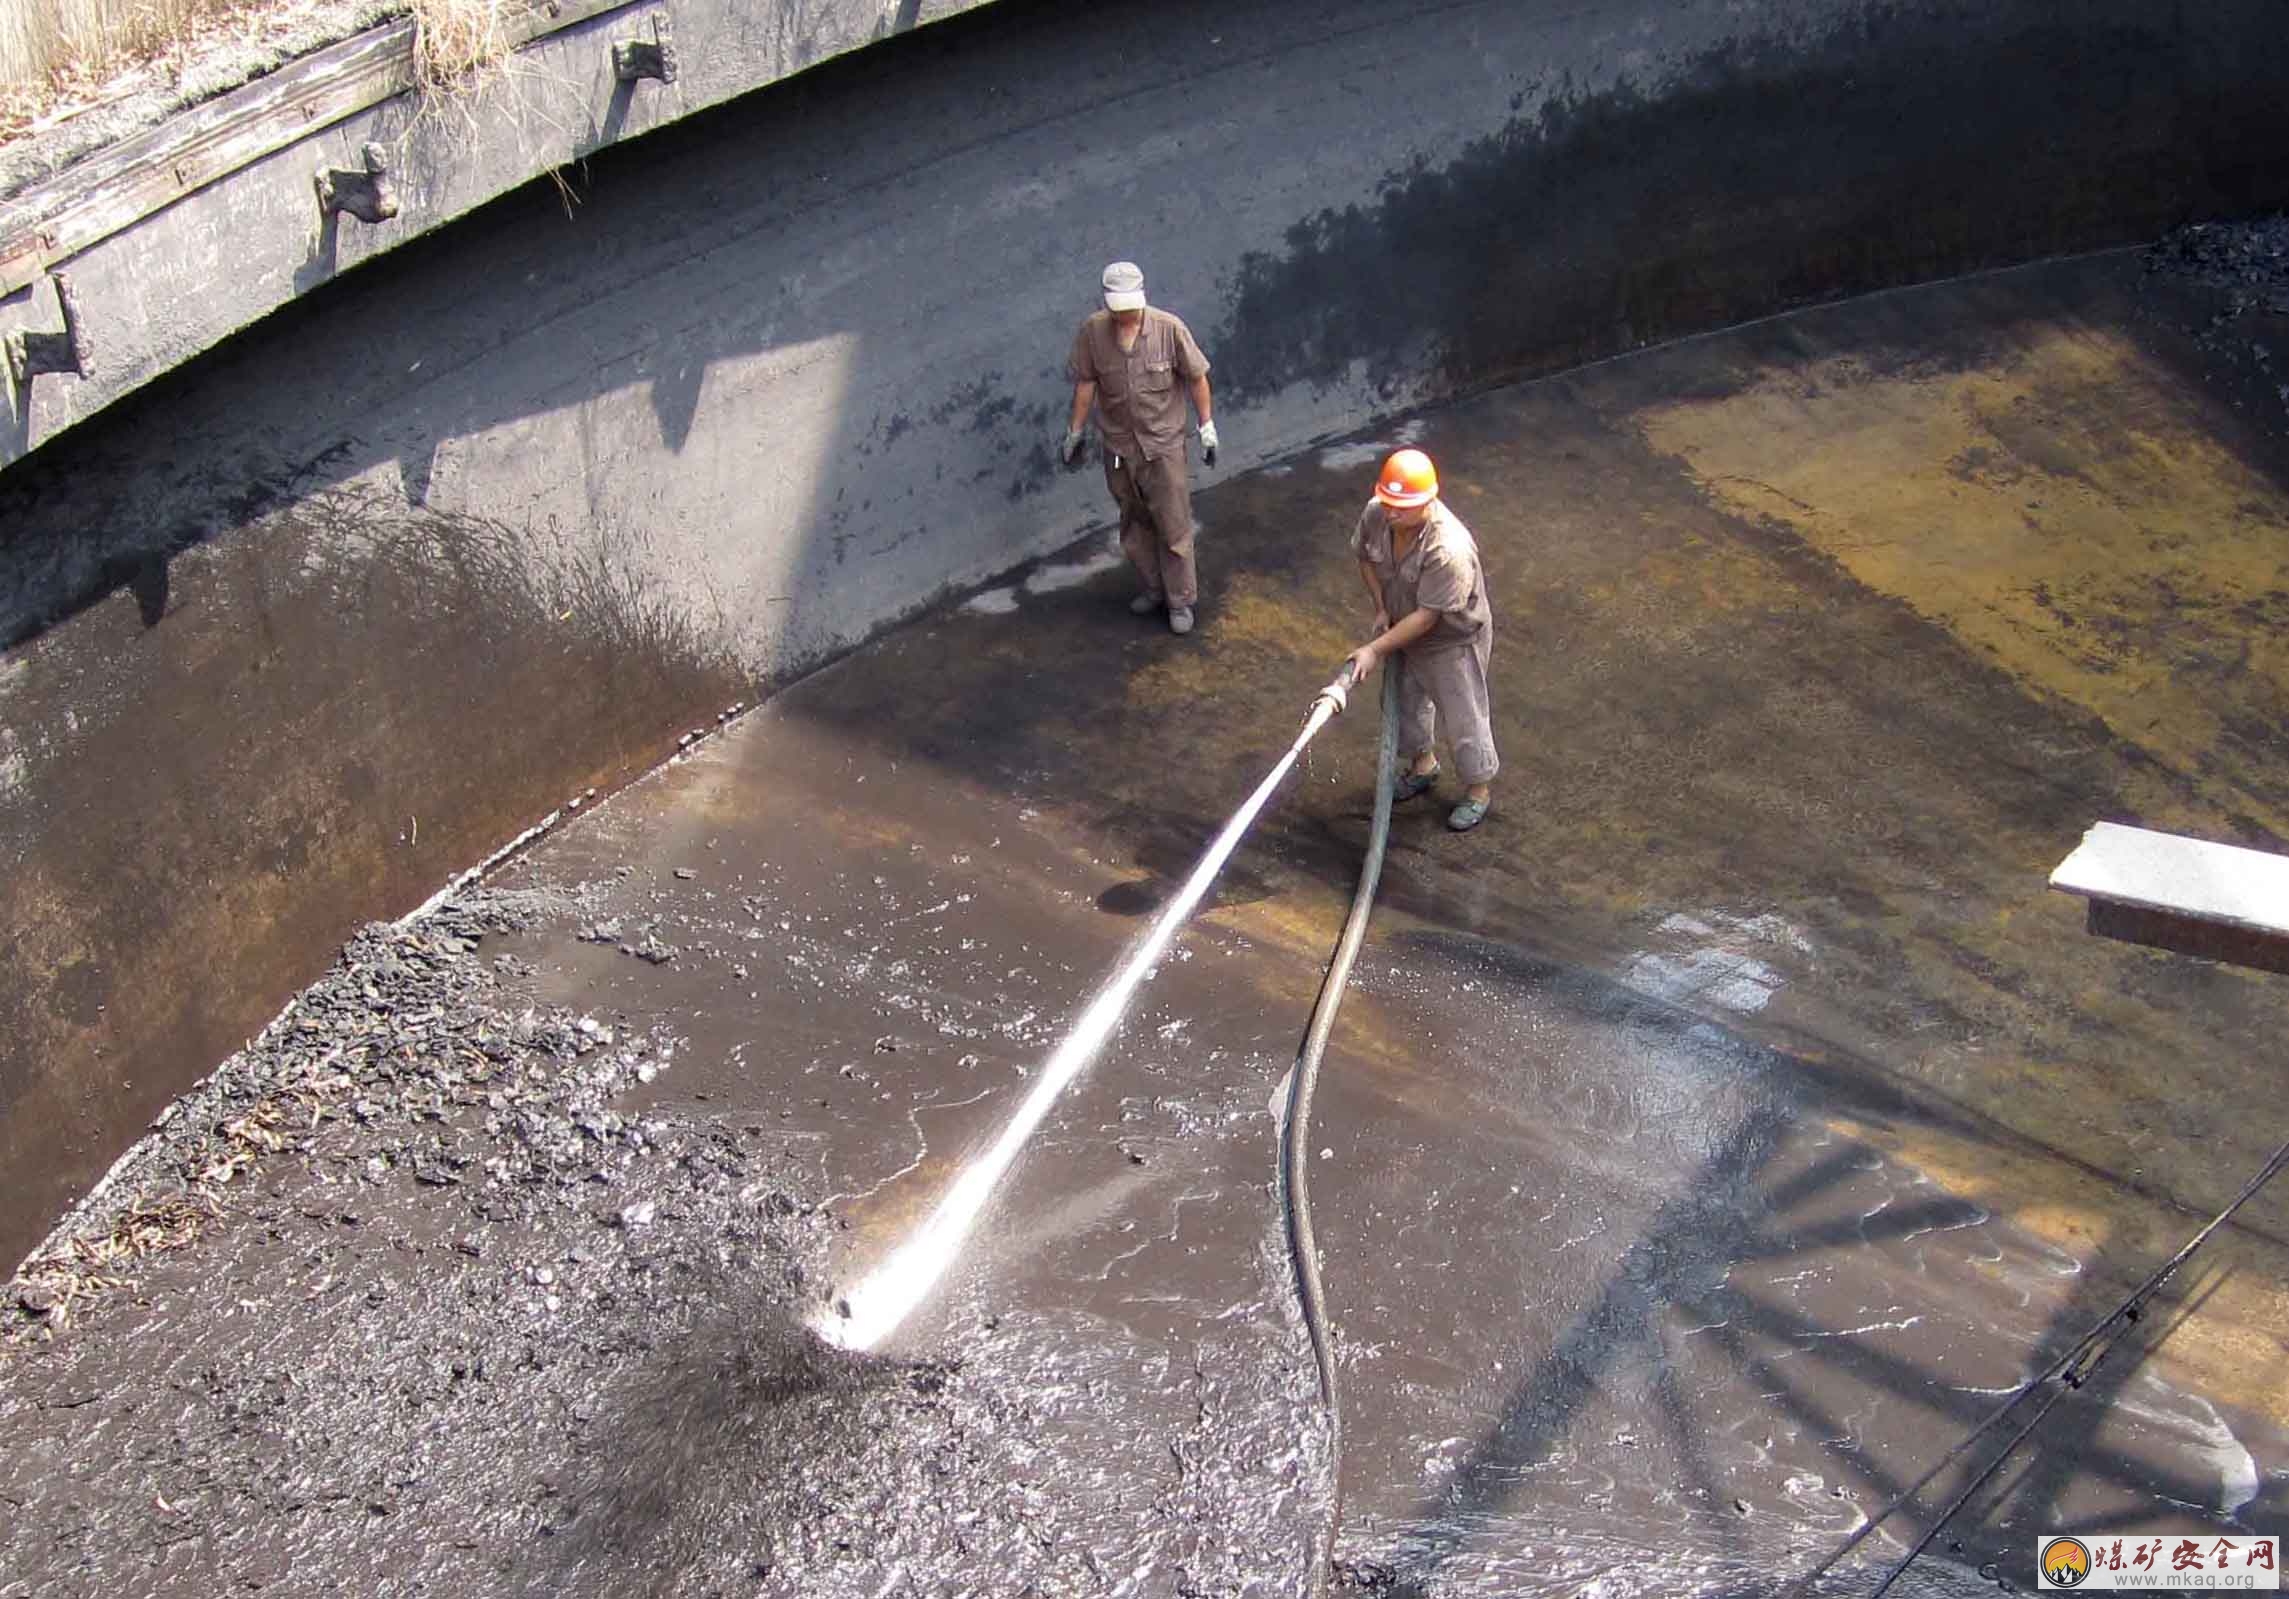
pixel 1709 1138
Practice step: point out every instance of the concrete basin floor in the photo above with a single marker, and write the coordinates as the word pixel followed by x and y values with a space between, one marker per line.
pixel 1708 1140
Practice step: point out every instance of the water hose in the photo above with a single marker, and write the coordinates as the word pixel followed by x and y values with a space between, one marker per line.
pixel 871 1309
pixel 1295 1147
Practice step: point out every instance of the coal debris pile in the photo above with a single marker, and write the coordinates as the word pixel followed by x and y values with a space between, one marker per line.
pixel 413 1058
pixel 2241 269
pixel 2248 261
pixel 742 1444
pixel 420 1293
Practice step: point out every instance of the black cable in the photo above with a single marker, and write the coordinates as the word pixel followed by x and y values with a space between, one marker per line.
pixel 2126 1311
pixel 1295 1179
pixel 2068 1383
pixel 1970 1488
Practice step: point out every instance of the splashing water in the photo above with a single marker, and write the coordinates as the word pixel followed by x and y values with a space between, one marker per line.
pixel 872 1310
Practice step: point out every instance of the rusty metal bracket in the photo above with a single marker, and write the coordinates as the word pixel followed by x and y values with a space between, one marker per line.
pixel 647 58
pixel 30 354
pixel 368 195
pixel 24 260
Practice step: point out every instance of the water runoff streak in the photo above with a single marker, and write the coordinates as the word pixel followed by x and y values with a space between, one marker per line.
pixel 873 1309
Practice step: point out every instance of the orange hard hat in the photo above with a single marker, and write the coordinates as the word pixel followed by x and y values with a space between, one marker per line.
pixel 1408 479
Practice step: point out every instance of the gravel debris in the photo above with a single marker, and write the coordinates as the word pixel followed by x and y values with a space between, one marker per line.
pixel 2247 265
pixel 2248 260
pixel 402 1299
pixel 412 1057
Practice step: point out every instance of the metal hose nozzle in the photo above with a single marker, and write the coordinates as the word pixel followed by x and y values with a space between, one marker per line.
pixel 1330 702
pixel 1326 705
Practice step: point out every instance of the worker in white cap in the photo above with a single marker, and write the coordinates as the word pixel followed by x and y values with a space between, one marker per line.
pixel 1422 571
pixel 1135 364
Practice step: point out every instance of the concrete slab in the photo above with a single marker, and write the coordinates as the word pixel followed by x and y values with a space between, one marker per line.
pixel 1713 1134
pixel 2184 894
pixel 2189 876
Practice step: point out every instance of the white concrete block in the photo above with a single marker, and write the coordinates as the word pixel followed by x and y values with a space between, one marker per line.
pixel 2180 876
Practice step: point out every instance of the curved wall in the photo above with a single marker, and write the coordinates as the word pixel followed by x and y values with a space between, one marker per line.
pixel 300 629
pixel 172 238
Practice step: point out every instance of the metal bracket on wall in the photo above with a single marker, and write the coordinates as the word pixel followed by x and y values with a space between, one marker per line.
pixel 647 58
pixel 30 354
pixel 368 195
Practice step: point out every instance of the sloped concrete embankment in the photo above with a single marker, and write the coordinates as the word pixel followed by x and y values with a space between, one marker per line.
pixel 302 627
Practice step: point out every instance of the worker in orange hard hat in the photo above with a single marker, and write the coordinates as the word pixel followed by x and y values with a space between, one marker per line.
pixel 1422 571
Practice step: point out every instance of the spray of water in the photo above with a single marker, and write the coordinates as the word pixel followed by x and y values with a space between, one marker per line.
pixel 872 1310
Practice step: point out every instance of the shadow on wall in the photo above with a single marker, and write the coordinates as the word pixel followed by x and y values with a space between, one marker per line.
pixel 816 286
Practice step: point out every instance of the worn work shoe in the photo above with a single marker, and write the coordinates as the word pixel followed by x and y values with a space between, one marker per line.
pixel 1408 784
pixel 1180 618
pixel 1146 603
pixel 1469 814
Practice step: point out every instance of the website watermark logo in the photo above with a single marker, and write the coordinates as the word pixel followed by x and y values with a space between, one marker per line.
pixel 2065 1563
pixel 2158 1564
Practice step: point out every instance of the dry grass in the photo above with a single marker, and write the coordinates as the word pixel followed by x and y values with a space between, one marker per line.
pixel 96 1262
pixel 60 56
pixel 454 41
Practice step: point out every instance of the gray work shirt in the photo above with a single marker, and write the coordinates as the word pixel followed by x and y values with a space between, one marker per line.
pixel 1140 391
pixel 1441 573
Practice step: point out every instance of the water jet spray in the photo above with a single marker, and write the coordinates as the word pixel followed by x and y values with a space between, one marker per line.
pixel 872 1309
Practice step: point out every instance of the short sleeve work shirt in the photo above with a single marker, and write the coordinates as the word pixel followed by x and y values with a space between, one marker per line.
pixel 1140 392
pixel 1441 573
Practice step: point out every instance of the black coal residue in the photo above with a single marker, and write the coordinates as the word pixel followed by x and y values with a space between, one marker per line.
pixel 2248 260
pixel 427 1302
pixel 1900 145
pixel 736 1444
pixel 2244 266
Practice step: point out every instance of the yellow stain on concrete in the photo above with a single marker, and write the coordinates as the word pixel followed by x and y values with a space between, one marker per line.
pixel 718 789
pixel 1694 579
pixel 859 831
pixel 1257 626
pixel 1302 923
pixel 2068 514
pixel 1374 1052
pixel 1300 937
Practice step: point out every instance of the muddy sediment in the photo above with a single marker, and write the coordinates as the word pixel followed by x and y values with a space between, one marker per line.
pixel 397 1291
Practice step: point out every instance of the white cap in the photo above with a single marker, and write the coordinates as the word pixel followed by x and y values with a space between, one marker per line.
pixel 1124 287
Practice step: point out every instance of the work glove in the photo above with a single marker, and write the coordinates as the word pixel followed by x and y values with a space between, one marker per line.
pixel 1208 442
pixel 1070 450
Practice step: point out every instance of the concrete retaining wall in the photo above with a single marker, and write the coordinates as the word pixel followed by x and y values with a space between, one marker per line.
pixel 455 536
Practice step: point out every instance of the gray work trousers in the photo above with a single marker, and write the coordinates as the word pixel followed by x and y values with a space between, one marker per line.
pixel 1155 498
pixel 1448 687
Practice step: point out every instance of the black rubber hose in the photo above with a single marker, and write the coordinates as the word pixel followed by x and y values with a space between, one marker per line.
pixel 1295 1148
